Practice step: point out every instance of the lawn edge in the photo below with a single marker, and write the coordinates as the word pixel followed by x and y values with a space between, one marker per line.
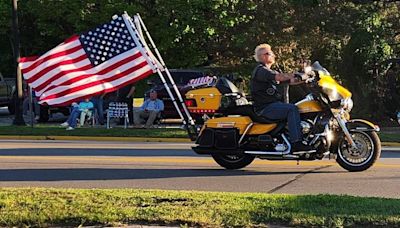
pixel 94 138
pixel 119 139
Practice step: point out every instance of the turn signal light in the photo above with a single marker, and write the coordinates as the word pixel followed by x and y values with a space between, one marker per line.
pixel 190 103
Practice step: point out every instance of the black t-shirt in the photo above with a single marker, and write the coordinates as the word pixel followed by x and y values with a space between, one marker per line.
pixel 263 87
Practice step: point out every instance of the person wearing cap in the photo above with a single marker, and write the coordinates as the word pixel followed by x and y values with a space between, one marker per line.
pixel 148 111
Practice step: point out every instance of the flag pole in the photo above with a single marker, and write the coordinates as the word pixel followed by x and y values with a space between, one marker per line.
pixel 167 71
pixel 18 120
pixel 171 96
pixel 31 106
pixel 136 38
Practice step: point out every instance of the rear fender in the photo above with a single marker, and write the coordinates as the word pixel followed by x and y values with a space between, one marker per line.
pixel 361 125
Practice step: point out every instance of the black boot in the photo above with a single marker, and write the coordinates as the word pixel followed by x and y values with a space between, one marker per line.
pixel 299 146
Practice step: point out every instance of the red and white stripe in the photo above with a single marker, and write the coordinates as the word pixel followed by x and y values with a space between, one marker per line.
pixel 64 74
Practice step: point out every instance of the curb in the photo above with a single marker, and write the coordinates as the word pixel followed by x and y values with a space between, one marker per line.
pixel 95 138
pixel 393 144
pixel 122 139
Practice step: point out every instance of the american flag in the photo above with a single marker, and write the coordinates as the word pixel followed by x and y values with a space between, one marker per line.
pixel 99 61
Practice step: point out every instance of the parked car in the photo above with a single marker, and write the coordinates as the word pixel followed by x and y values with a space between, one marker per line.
pixel 181 78
pixel 46 111
pixel 7 88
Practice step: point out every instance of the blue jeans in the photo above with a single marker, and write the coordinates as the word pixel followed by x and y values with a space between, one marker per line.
pixel 75 113
pixel 98 105
pixel 284 111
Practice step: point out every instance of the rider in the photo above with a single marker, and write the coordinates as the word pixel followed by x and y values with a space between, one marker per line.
pixel 268 100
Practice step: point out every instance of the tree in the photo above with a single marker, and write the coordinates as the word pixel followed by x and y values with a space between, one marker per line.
pixel 350 38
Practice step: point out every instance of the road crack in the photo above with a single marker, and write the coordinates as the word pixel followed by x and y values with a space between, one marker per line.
pixel 297 177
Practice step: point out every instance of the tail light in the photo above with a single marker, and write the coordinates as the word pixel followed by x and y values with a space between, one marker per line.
pixel 190 103
pixel 203 111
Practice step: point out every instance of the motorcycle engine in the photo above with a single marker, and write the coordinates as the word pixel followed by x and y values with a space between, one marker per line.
pixel 306 126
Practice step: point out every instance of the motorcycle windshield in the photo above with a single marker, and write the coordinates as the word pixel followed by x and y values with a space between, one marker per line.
pixel 329 85
pixel 317 66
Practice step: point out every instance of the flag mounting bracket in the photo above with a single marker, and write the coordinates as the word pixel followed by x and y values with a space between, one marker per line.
pixel 161 66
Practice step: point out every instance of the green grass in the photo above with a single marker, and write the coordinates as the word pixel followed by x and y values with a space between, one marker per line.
pixel 68 207
pixel 55 130
pixel 46 130
pixel 389 137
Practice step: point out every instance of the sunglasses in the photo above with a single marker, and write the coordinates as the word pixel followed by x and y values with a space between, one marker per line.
pixel 269 53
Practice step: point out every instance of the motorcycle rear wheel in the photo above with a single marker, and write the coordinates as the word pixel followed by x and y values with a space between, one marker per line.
pixel 362 158
pixel 233 161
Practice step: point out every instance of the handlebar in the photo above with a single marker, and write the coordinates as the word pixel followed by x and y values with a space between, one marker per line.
pixel 306 77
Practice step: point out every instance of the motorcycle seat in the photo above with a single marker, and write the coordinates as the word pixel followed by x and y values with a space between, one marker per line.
pixel 247 110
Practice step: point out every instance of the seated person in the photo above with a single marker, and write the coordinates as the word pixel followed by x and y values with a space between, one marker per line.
pixel 82 110
pixel 149 110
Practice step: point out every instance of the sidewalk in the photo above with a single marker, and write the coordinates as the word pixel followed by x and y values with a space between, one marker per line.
pixel 6 120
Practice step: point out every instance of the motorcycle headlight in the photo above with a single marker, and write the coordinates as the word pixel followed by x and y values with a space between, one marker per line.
pixel 347 104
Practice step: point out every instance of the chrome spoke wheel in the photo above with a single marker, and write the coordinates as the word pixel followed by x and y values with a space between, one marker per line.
pixel 363 151
pixel 361 157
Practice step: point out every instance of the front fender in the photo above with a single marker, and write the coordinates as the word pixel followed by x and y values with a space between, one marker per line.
pixel 361 125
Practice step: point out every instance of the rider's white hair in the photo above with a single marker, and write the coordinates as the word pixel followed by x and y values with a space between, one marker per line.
pixel 260 49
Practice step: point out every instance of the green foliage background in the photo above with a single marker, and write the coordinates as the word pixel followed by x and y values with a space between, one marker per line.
pixel 352 39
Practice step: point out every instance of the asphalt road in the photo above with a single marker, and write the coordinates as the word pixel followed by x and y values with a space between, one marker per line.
pixel 82 164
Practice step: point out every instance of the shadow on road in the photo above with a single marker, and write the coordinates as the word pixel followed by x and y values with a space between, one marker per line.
pixel 123 152
pixel 125 174
pixel 98 152
pixel 390 154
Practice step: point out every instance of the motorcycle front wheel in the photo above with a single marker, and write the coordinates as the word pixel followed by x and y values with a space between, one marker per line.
pixel 364 156
pixel 233 161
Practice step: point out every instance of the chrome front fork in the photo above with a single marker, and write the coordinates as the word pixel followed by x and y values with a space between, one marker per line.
pixel 342 124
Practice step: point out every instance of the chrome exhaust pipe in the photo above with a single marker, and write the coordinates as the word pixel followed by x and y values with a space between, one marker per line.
pixel 280 153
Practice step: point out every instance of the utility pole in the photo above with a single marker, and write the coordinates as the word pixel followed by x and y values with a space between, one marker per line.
pixel 18 120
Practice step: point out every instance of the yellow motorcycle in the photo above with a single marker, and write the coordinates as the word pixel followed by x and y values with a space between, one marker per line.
pixel 236 135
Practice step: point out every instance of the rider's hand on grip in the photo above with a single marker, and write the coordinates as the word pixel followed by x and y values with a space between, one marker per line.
pixel 310 76
pixel 301 76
